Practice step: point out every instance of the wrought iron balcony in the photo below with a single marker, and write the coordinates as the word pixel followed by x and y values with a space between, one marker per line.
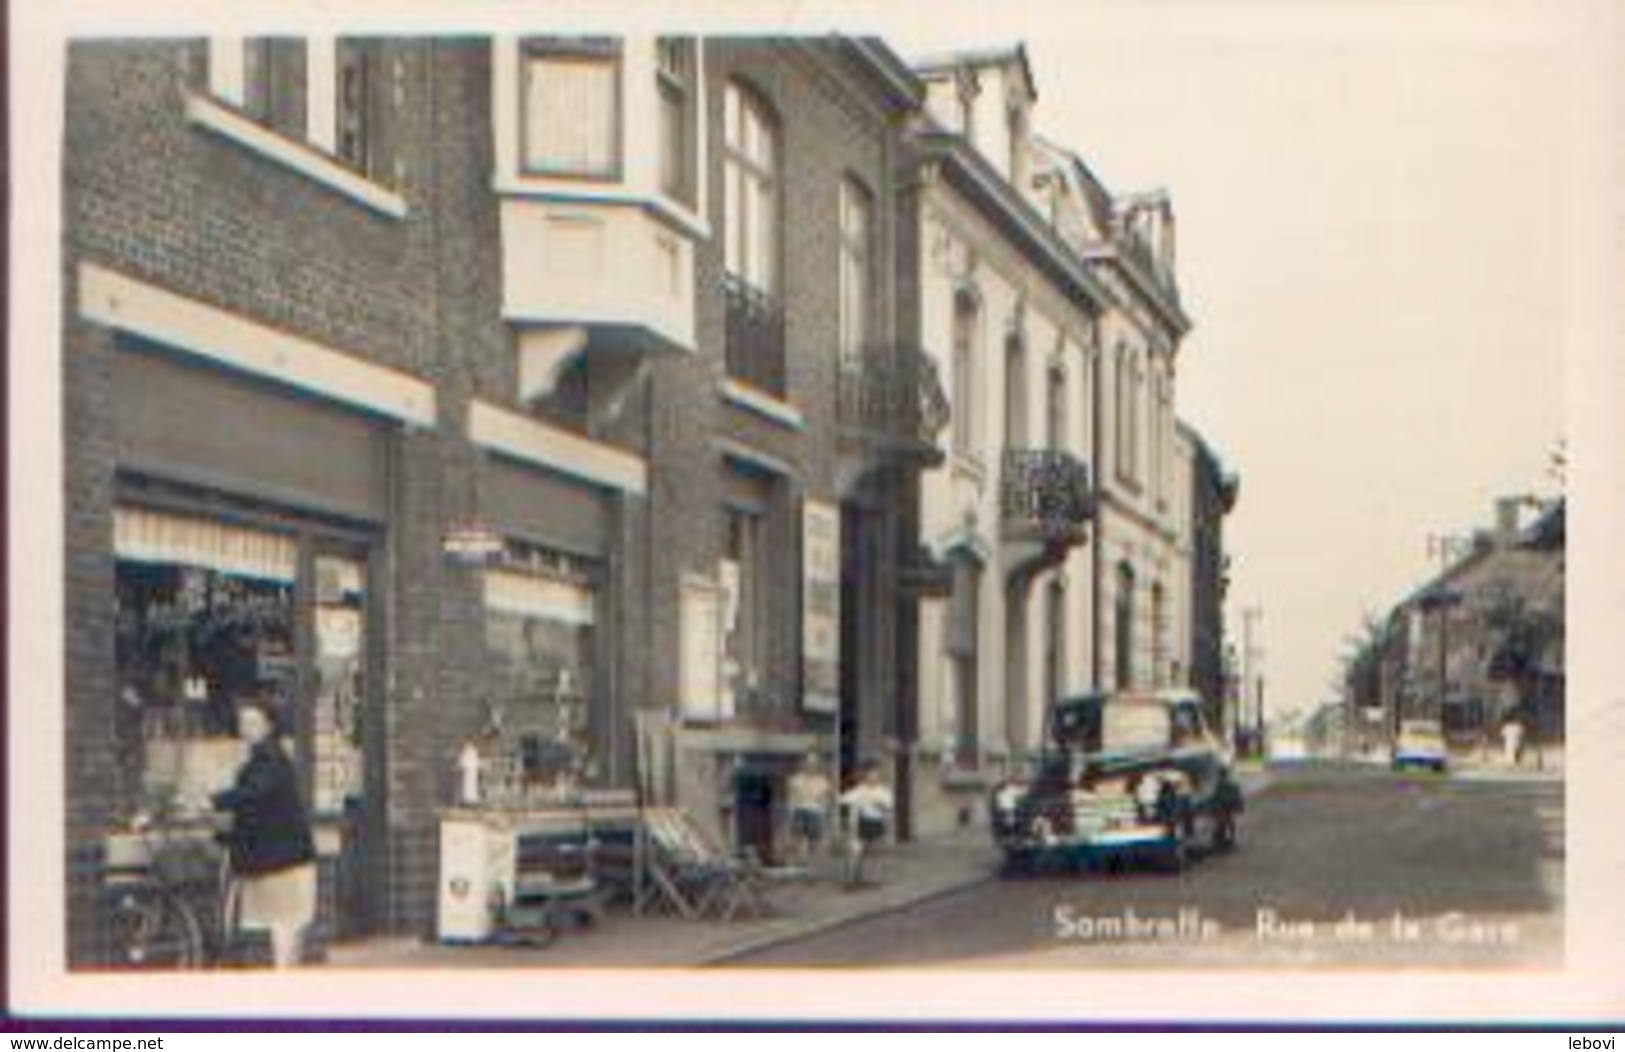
pixel 1045 496
pixel 894 399
pixel 754 337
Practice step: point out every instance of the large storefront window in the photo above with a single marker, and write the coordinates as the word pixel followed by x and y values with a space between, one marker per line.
pixel 204 617
pixel 539 639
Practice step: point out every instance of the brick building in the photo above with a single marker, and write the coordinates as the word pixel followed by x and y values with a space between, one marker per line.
pixel 480 391
pixel 1211 495
pixel 576 402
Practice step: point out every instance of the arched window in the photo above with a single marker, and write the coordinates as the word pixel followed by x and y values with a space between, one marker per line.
pixel 751 157
pixel 1055 414
pixel 1055 640
pixel 1015 387
pixel 1124 609
pixel 966 338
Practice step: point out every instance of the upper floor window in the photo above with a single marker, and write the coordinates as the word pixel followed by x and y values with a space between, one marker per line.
pixel 966 334
pixel 355 139
pixel 751 188
pixel 1019 135
pixel 857 253
pixel 260 76
pixel 571 88
pixel 1015 386
pixel 321 91
pixel 1161 438
pixel 675 72
pixel 1131 416
pixel 1055 408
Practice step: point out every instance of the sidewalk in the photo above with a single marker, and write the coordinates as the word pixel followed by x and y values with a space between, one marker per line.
pixel 908 874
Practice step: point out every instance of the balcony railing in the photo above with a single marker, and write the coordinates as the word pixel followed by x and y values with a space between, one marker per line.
pixel 1045 495
pixel 755 337
pixel 893 397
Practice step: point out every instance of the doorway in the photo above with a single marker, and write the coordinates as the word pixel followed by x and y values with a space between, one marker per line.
pixel 756 797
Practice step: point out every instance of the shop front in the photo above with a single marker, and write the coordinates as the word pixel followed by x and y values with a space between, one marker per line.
pixel 541 803
pixel 249 568
pixel 214 610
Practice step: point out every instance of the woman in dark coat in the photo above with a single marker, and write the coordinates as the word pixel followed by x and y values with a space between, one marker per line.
pixel 272 852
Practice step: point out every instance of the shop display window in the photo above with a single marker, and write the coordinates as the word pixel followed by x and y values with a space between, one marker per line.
pixel 539 641
pixel 204 615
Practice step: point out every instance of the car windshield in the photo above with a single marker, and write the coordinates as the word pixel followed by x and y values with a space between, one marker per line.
pixel 1133 725
pixel 1420 729
pixel 1093 724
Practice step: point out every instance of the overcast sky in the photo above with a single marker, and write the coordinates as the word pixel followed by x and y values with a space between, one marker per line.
pixel 1371 242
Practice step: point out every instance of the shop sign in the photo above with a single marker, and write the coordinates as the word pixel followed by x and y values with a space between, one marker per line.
pixel 821 607
pixel 472 543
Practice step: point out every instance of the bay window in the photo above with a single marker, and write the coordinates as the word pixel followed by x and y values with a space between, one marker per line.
pixel 572 107
pixel 676 78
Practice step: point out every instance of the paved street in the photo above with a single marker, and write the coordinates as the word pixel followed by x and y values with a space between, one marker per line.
pixel 1339 867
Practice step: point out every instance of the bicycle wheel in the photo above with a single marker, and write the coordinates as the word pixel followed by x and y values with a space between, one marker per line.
pixel 152 929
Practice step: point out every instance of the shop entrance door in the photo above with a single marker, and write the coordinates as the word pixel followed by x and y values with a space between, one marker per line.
pixel 755 804
pixel 343 722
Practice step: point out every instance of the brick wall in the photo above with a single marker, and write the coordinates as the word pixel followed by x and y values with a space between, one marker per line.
pixel 823 140
pixel 168 202
pixel 151 195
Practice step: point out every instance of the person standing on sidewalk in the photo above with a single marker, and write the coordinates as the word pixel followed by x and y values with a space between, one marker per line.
pixel 869 805
pixel 273 854
pixel 1512 740
pixel 809 793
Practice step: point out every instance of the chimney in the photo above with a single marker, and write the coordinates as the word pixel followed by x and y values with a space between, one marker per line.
pixel 1506 521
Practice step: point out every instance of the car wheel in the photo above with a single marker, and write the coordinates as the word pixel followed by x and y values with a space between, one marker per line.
pixel 1180 833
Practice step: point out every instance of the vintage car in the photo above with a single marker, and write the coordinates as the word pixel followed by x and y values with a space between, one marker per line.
pixel 1122 776
pixel 1420 743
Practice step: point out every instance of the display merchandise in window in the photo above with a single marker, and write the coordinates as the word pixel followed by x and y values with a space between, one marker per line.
pixel 539 641
pixel 204 616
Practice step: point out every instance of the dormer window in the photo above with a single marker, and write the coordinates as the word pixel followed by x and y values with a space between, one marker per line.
pixel 1019 134
pixel 571 89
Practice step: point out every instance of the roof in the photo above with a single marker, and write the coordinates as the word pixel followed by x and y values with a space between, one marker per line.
pixel 889 69
pixel 1228 481
pixel 970 173
pixel 980 58
pixel 1162 299
pixel 1549 531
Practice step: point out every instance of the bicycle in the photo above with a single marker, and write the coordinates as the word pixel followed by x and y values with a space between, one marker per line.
pixel 157 878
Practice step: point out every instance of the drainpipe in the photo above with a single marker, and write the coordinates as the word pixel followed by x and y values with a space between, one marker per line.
pixel 1098 473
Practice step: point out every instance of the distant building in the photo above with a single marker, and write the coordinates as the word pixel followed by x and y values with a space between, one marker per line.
pixel 1478 644
pixel 1212 495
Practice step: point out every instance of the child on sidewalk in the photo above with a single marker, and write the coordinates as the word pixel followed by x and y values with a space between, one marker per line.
pixel 809 793
pixel 869 803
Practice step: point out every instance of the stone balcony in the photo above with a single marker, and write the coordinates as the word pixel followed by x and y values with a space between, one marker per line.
pixel 1045 505
pixel 892 400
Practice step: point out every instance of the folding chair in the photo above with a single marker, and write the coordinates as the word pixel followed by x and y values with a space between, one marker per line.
pixel 696 878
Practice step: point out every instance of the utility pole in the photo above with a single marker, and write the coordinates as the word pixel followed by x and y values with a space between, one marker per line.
pixel 1251 698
